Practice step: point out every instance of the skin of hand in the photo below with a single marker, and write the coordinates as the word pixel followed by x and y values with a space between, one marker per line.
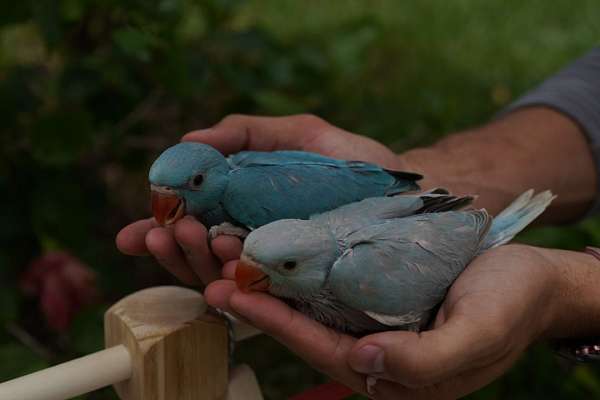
pixel 506 299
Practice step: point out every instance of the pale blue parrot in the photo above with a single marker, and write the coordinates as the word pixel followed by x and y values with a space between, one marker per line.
pixel 378 264
pixel 252 188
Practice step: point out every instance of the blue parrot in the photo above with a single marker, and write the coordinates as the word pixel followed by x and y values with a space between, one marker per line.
pixel 378 264
pixel 250 189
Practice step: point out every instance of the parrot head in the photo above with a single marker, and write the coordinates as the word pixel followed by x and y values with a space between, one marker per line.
pixel 289 258
pixel 188 178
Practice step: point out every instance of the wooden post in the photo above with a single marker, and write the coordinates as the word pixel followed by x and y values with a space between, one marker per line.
pixel 177 350
pixel 161 345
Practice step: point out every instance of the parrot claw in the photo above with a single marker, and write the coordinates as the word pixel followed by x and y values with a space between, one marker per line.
pixel 371 382
pixel 227 228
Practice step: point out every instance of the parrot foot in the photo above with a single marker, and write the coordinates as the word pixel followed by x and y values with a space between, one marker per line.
pixel 371 382
pixel 227 229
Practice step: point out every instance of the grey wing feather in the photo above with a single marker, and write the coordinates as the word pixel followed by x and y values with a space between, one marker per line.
pixel 351 217
pixel 400 270
pixel 348 218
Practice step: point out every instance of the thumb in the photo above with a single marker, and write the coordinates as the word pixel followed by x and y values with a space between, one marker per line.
pixel 242 132
pixel 421 359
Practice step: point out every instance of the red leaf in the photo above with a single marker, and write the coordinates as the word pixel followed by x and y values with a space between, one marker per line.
pixel 64 285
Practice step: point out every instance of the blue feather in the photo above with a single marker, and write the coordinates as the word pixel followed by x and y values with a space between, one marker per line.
pixel 254 188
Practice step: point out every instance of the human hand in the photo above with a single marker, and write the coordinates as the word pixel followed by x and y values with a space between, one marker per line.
pixel 183 249
pixel 506 299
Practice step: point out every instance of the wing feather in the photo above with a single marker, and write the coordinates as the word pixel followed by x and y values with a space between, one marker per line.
pixel 264 187
pixel 403 268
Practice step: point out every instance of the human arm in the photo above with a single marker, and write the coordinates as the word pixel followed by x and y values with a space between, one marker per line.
pixel 534 147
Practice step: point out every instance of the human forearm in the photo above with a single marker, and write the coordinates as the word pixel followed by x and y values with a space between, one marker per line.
pixel 575 303
pixel 532 148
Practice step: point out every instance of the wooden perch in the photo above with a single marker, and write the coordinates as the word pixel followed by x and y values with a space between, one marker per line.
pixel 161 345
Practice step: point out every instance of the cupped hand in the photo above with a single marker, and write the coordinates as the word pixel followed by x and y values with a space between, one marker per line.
pixel 184 249
pixel 497 307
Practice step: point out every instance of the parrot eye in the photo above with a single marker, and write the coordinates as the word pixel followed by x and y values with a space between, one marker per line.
pixel 197 181
pixel 289 265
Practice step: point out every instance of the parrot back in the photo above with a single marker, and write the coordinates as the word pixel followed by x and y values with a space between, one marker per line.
pixel 273 186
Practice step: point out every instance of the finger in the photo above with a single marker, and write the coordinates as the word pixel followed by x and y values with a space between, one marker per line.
pixel 241 132
pixel 456 387
pixel 217 294
pixel 161 243
pixel 192 236
pixel 420 359
pixel 131 240
pixel 228 271
pixel 226 248
pixel 323 348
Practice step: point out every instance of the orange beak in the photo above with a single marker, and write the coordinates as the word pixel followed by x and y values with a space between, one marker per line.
pixel 248 278
pixel 167 208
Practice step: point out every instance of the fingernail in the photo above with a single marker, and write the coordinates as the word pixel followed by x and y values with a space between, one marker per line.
pixel 368 360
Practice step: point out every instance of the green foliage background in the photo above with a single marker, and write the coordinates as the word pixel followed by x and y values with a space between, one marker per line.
pixel 92 90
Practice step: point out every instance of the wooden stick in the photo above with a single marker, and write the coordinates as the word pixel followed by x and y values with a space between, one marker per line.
pixel 243 384
pixel 72 378
pixel 162 345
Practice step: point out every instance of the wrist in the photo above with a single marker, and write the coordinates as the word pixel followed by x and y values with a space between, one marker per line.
pixel 575 299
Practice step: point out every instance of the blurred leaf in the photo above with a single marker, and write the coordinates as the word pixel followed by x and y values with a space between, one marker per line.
pixel 16 12
pixel 278 103
pixel 134 43
pixel 22 45
pixel 46 15
pixel 350 49
pixel 17 100
pixel 193 24
pixel 586 378
pixel 63 209
pixel 8 305
pixel 61 137
pixel 87 331
pixel 18 360
pixel 72 10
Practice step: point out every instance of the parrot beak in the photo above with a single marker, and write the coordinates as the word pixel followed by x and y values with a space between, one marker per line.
pixel 249 277
pixel 167 207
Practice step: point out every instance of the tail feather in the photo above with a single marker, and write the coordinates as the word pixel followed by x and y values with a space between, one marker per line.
pixel 439 199
pixel 516 217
